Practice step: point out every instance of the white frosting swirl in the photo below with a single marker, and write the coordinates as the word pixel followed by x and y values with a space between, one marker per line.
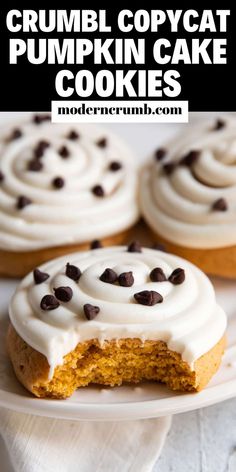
pixel 188 319
pixel 72 214
pixel 179 206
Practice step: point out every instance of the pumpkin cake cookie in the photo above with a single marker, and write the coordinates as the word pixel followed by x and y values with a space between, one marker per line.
pixel 188 195
pixel 115 315
pixel 61 186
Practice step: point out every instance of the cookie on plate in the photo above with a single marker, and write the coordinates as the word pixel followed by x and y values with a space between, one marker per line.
pixel 62 186
pixel 188 195
pixel 115 315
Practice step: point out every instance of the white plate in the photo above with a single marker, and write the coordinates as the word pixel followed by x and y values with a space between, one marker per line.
pixel 148 400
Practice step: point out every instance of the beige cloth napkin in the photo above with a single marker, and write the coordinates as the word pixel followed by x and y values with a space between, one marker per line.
pixel 38 444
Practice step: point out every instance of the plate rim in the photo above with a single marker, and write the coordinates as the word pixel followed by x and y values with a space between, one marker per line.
pixel 118 411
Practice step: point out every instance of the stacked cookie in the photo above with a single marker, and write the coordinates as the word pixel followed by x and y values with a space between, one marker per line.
pixel 188 195
pixel 61 187
pixel 115 315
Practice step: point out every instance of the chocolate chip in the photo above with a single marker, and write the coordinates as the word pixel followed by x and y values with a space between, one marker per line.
pixel 169 168
pixel 160 154
pixel 109 276
pixel 177 277
pixel 102 143
pixel 98 191
pixel 73 272
pixel 43 144
pixel 1 176
pixel 190 158
pixel 38 119
pixel 49 302
pixel 15 134
pixel 219 124
pixel 64 294
pixel 159 247
pixel 64 152
pixel 22 202
pixel 73 135
pixel 115 166
pixel 39 277
pixel 35 165
pixel 220 205
pixel 91 311
pixel 58 182
pixel 96 244
pixel 148 297
pixel 38 152
pixel 126 279
pixel 157 275
pixel 134 247
pixel 40 149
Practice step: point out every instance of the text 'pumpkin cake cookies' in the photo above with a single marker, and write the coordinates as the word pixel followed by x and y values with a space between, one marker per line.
pixel 61 187
pixel 115 315
pixel 188 195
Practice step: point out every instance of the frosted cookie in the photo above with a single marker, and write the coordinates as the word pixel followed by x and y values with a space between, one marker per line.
pixel 115 315
pixel 61 187
pixel 188 195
